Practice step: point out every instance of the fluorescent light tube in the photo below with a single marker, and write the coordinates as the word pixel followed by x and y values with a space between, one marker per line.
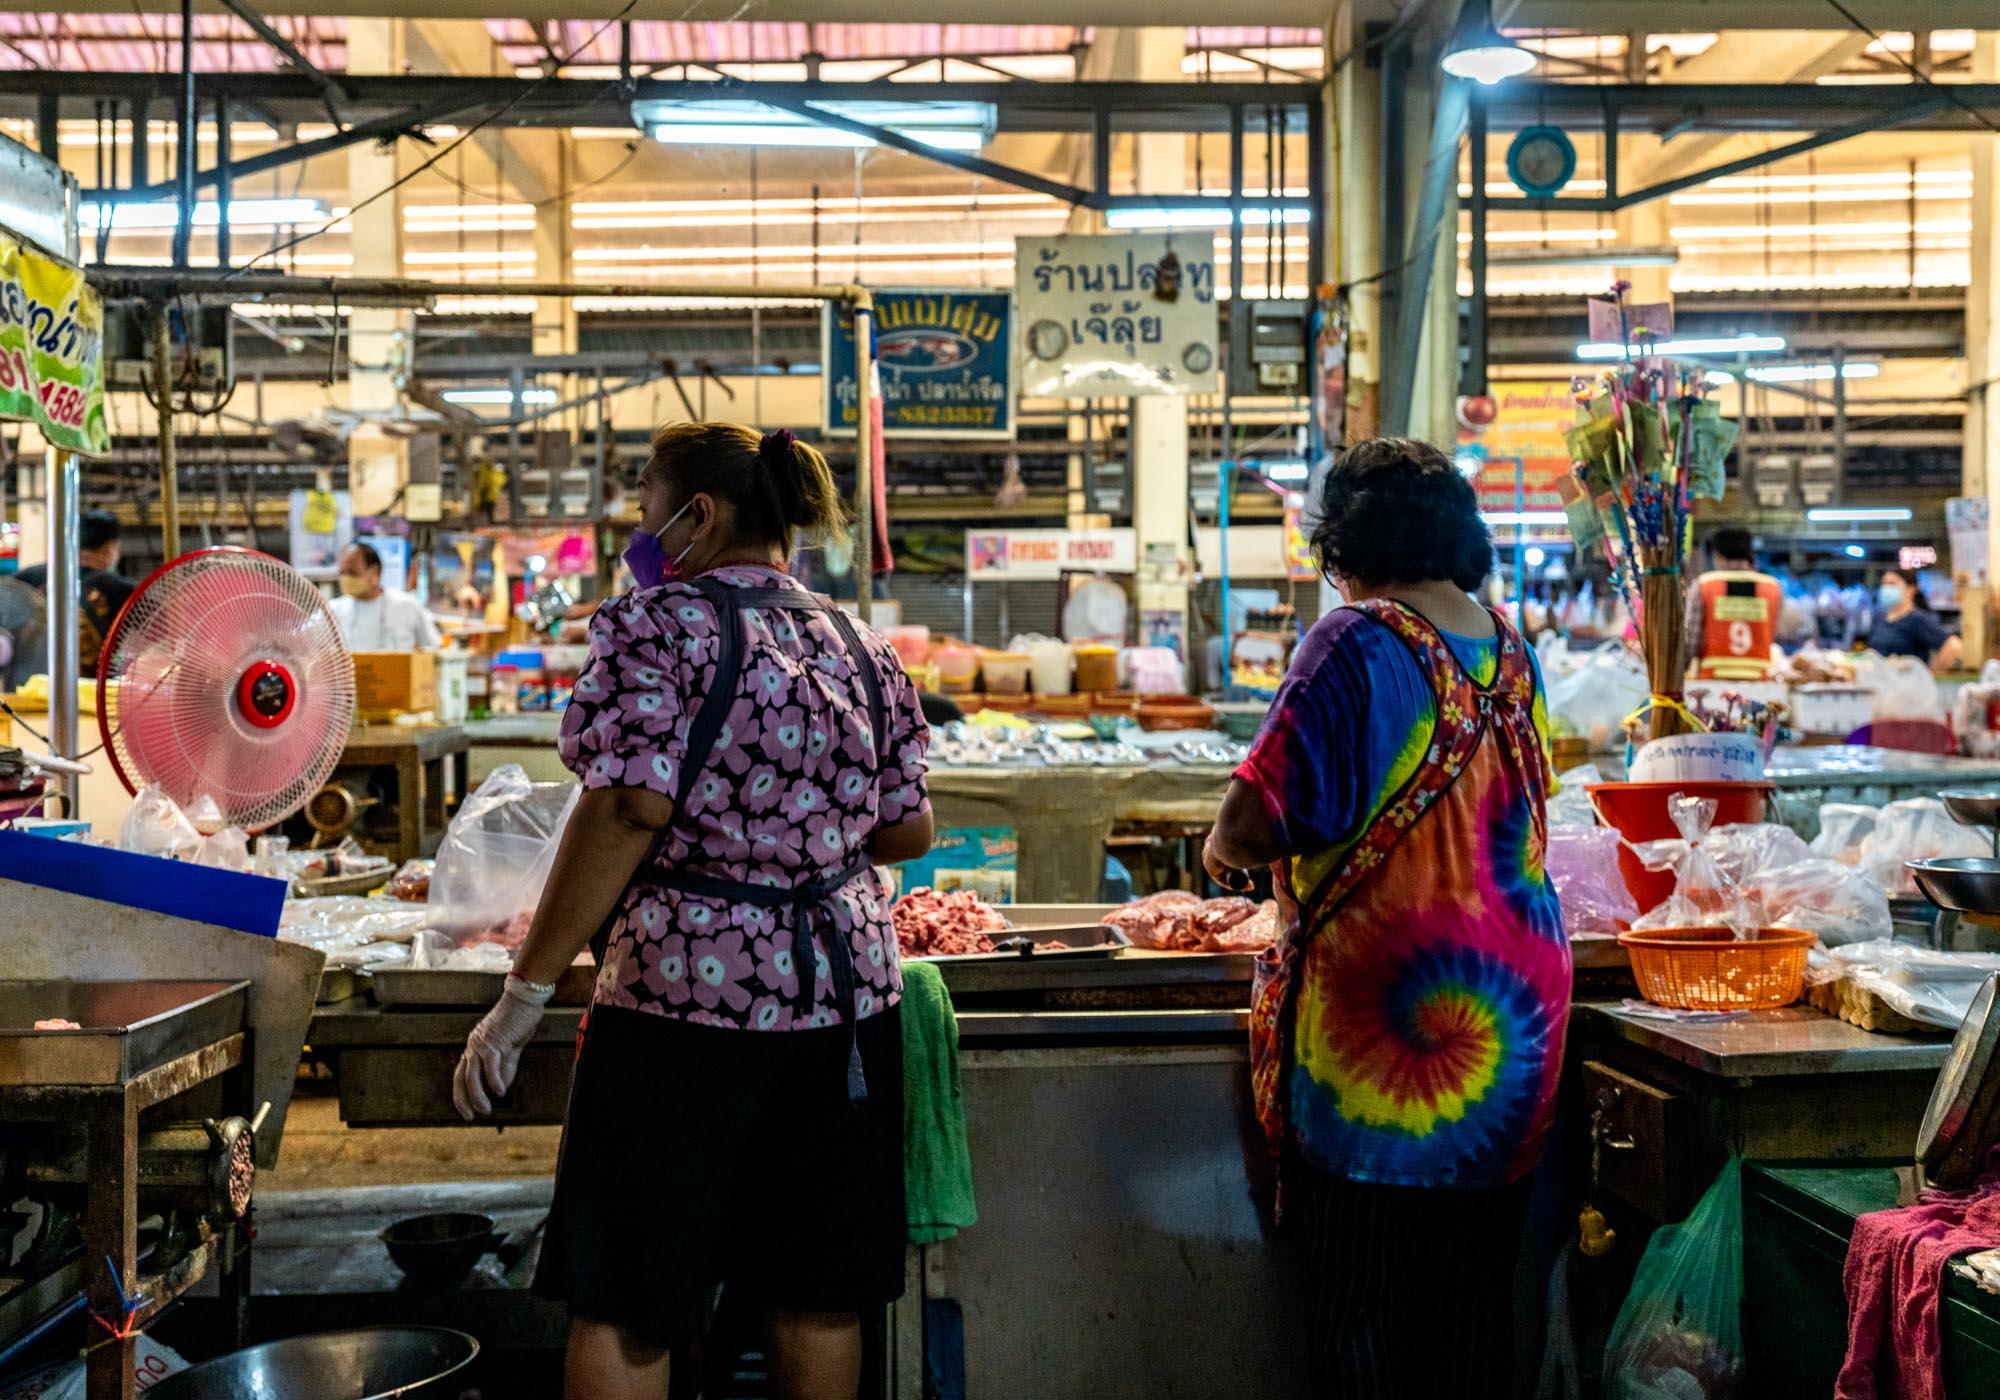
pixel 1699 345
pixel 165 213
pixel 1802 374
pixel 1200 216
pixel 504 397
pixel 1524 517
pixel 1857 515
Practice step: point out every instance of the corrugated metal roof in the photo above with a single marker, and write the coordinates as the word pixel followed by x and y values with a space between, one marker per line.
pixel 137 43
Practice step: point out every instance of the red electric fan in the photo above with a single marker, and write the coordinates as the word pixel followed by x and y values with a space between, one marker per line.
pixel 232 682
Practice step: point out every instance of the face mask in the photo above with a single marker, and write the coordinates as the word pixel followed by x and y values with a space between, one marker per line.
pixel 648 562
pixel 353 585
pixel 1889 596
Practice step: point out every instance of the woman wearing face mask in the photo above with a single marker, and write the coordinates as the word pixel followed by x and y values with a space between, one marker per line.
pixel 1906 626
pixel 748 756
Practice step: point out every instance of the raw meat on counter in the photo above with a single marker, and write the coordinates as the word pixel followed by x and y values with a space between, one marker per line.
pixel 930 924
pixel 57 1023
pixel 1177 921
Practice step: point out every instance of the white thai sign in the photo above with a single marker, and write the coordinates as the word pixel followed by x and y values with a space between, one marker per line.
pixel 1113 315
pixel 1047 554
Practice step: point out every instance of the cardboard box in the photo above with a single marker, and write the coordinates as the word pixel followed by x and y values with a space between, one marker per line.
pixel 390 683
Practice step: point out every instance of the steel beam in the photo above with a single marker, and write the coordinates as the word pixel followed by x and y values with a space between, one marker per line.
pixel 331 89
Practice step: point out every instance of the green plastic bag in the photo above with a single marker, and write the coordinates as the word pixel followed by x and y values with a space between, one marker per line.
pixel 1680 1334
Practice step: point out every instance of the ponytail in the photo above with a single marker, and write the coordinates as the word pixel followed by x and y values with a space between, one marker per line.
pixel 777 487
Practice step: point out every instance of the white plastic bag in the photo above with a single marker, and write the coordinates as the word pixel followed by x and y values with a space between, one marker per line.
pixel 1909 691
pixel 1570 804
pixel 228 849
pixel 1704 896
pixel 1843 828
pixel 1932 987
pixel 1592 701
pixel 1820 896
pixel 496 855
pixel 156 826
pixel 1917 828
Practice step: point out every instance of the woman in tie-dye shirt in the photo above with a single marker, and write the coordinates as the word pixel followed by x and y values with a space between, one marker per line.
pixel 1408 1029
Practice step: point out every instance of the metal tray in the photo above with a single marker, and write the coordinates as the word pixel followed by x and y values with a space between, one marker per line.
pixel 127 1027
pixel 1075 953
pixel 410 986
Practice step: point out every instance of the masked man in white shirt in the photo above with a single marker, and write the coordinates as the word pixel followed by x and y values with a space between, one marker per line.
pixel 374 618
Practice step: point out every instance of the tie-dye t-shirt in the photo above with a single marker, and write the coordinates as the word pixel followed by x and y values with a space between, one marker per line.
pixel 1432 1000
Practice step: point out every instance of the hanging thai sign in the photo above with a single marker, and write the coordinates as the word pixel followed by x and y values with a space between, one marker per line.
pixel 1113 315
pixel 945 359
pixel 1047 554
pixel 51 349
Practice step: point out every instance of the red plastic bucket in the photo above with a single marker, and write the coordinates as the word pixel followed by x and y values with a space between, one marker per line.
pixel 1638 812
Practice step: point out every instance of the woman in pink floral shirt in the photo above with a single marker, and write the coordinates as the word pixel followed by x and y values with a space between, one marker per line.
pixel 731 1120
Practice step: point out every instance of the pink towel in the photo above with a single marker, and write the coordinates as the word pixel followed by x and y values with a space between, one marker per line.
pixel 1895 1268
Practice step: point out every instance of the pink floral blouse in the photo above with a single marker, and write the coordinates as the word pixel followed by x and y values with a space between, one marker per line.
pixel 791 792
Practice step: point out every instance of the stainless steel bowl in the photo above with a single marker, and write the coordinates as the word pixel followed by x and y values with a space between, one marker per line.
pixel 1973 808
pixel 1966 884
pixel 367 1363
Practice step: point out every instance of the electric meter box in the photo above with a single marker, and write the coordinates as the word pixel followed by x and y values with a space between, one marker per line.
pixel 1267 347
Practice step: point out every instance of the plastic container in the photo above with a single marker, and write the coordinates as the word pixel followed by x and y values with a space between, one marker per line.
pixel 1638 812
pixel 1831 709
pixel 1699 757
pixel 503 690
pixel 1155 670
pixel 1049 663
pixel 451 686
pixel 1163 712
pixel 1005 672
pixel 1064 706
pixel 1710 969
pixel 1096 668
pixel 957 667
pixel 911 641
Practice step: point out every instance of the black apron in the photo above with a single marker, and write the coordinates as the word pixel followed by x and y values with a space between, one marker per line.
pixel 812 901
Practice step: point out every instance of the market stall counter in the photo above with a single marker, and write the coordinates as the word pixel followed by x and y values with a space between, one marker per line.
pixel 1665 1101
pixel 1796 1225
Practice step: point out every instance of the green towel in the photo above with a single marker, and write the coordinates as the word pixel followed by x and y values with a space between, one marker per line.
pixel 937 1165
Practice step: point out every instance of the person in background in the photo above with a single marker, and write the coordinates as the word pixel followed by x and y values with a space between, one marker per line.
pixel 104 590
pixel 1733 613
pixel 748 756
pixel 1407 1028
pixel 374 618
pixel 1906 626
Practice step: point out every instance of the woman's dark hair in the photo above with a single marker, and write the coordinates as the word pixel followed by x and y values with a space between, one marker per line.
pixel 1395 510
pixel 777 486
pixel 1917 598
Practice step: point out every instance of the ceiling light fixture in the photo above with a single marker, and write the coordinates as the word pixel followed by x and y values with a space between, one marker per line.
pixel 1585 257
pixel 165 213
pixel 1480 52
pixel 1804 374
pixel 1214 214
pixel 949 126
pixel 1858 515
pixel 1524 517
pixel 1696 345
pixel 541 397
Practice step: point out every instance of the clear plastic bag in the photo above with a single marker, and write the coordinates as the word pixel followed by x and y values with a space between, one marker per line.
pixel 496 855
pixel 1843 827
pixel 1593 700
pixel 1704 894
pixel 1821 896
pixel 1582 862
pixel 1680 1334
pixel 228 849
pixel 1743 849
pixel 1908 691
pixel 1917 828
pixel 156 826
pixel 1924 984
pixel 1569 804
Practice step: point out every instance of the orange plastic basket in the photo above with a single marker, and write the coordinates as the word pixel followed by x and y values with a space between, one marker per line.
pixel 1710 969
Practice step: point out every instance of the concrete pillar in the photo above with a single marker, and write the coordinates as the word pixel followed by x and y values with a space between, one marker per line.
pixel 1644 226
pixel 1353 100
pixel 554 323
pixel 1159 423
pixel 1982 366
pixel 375 335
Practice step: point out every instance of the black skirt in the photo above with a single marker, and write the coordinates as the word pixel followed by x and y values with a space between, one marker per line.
pixel 694 1156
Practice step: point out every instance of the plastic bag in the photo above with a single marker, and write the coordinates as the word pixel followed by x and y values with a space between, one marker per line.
pixel 1909 691
pixel 152 1362
pixel 1742 849
pixel 1843 827
pixel 156 826
pixel 1917 828
pixel 496 854
pixel 228 849
pixel 1569 804
pixel 1704 894
pixel 1924 984
pixel 1592 701
pixel 1680 1334
pixel 1582 862
pixel 1821 896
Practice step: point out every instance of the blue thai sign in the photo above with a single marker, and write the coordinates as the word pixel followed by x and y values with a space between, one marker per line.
pixel 946 361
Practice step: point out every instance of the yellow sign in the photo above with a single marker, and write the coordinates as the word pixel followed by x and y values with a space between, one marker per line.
pixel 321 515
pixel 1528 428
pixel 51 349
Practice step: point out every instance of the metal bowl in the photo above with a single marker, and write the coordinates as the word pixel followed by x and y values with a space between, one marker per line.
pixel 1973 808
pixel 1967 884
pixel 440 1249
pixel 367 1363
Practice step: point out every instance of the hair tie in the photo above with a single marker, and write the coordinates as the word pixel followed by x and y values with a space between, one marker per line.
pixel 776 447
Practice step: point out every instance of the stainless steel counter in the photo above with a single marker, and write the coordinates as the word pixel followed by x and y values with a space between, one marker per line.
pixel 1796 1040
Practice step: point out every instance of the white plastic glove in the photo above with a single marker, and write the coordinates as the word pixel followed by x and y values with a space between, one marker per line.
pixel 493 1050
